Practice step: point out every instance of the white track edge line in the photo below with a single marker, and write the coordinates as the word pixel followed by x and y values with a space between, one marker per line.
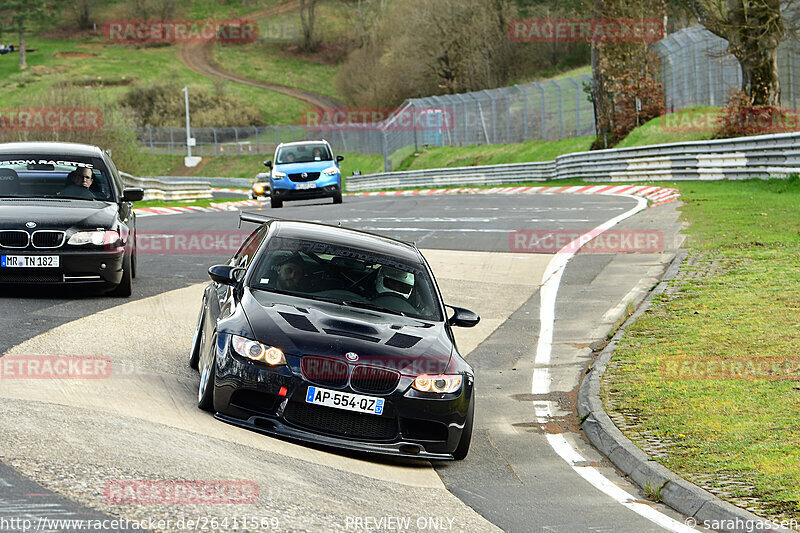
pixel 540 381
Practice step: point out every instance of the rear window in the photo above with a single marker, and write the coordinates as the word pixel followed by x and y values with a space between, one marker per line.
pixel 48 176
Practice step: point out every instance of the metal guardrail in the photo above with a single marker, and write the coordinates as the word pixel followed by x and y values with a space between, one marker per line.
pixel 172 189
pixel 761 156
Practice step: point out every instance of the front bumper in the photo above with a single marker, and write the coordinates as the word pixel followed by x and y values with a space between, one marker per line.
pixel 76 266
pixel 247 394
pixel 285 189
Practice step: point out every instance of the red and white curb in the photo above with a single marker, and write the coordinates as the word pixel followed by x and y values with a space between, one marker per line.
pixel 657 195
pixel 179 210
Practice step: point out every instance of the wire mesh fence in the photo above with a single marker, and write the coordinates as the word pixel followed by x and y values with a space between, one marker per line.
pixel 698 70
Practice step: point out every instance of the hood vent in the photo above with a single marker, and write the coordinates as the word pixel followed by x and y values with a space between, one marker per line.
pixel 351 334
pixel 400 340
pixel 356 327
pixel 299 322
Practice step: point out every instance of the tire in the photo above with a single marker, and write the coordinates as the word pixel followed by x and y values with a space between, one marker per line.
pixel 194 356
pixel 275 203
pixel 337 198
pixel 205 392
pixel 125 287
pixel 133 260
pixel 466 435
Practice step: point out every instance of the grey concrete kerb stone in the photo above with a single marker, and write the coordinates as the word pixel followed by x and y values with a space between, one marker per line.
pixel 686 498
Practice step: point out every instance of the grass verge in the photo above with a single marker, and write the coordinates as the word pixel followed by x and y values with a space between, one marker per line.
pixel 180 203
pixel 239 166
pixel 711 371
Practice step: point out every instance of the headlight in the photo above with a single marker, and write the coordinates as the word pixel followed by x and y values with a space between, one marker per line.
pixel 258 188
pixel 97 238
pixel 440 383
pixel 330 171
pixel 278 175
pixel 258 352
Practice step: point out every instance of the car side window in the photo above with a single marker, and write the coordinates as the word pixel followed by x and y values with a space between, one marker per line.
pixel 249 247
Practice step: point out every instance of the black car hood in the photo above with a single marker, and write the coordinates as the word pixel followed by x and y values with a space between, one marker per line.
pixel 56 213
pixel 300 326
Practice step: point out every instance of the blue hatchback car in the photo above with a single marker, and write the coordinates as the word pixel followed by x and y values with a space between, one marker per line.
pixel 303 171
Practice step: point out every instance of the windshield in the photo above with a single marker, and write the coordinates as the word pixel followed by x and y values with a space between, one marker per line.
pixel 49 176
pixel 346 276
pixel 303 153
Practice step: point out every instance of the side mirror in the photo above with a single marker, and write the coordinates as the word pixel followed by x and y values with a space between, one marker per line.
pixel 463 318
pixel 268 163
pixel 132 194
pixel 225 274
pixel 339 158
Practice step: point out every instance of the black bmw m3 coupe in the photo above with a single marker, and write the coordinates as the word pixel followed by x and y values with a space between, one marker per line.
pixel 336 337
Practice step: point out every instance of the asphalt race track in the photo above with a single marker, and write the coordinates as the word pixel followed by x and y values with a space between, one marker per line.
pixel 64 442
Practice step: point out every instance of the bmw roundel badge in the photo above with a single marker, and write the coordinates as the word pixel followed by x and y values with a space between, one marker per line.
pixel 30 225
pixel 351 356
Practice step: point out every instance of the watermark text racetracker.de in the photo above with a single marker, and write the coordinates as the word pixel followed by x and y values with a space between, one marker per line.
pixel 180 492
pixel 613 241
pixel 180 31
pixel 759 121
pixel 20 366
pixel 50 119
pixel 23 524
pixel 740 368
pixel 189 242
pixel 377 118
pixel 534 30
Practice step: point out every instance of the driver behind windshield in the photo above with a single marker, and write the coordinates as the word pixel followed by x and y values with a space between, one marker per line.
pixel 80 180
pixel 290 274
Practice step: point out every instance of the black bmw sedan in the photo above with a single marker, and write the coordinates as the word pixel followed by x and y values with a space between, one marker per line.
pixel 65 217
pixel 336 337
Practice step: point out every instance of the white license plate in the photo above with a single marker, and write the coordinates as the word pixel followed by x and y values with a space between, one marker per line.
pixel 301 186
pixel 29 261
pixel 345 400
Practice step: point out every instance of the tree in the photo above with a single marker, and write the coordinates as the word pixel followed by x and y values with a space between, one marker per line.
pixel 18 15
pixel 307 19
pixel 753 29
pixel 81 9
pixel 625 89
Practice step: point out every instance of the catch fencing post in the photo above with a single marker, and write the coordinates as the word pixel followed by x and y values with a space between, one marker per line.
pixel 524 112
pixel 544 126
pixel 508 114
pixel 560 112
pixel 577 107
pixel 494 117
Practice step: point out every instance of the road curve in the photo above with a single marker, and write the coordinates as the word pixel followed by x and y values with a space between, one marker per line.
pixel 142 423
pixel 197 56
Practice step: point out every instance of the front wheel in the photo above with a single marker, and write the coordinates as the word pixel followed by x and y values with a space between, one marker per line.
pixel 205 393
pixel 466 435
pixel 275 203
pixel 194 356
pixel 337 198
pixel 125 287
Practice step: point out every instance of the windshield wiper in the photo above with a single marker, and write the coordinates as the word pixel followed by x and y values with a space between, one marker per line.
pixel 373 307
